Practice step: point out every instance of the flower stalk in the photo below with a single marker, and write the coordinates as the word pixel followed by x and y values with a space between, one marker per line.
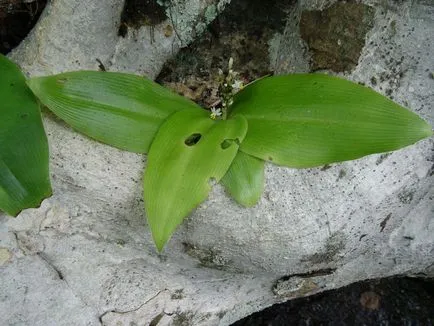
pixel 229 85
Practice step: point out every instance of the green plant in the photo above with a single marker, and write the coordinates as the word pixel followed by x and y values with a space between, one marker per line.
pixel 24 179
pixel 298 121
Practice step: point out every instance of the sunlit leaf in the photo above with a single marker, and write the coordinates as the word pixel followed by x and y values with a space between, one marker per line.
pixel 117 109
pixel 308 120
pixel 24 178
pixel 189 151
pixel 245 179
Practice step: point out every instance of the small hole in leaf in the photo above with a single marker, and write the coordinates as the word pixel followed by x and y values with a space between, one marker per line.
pixel 193 139
pixel 228 142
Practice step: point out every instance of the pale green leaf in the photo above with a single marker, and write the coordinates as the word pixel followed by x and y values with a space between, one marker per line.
pixel 189 151
pixel 117 109
pixel 24 178
pixel 307 120
pixel 244 180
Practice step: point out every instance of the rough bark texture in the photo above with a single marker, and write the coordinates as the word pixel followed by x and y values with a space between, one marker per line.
pixel 86 257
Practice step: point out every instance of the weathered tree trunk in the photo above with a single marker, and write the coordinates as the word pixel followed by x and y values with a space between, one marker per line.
pixel 86 256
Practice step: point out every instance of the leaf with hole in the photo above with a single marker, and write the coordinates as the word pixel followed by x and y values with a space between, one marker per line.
pixel 188 152
pixel 118 109
pixel 307 120
pixel 24 177
pixel 244 180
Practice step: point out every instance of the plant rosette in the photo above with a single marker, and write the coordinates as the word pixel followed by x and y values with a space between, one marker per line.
pixel 298 121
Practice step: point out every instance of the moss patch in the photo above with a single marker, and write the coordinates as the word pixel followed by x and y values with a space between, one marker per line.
pixel 207 256
pixel 138 13
pixel 242 31
pixel 336 35
pixel 334 244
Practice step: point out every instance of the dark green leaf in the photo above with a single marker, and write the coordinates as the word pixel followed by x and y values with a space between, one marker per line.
pixel 189 150
pixel 245 179
pixel 308 120
pixel 117 109
pixel 24 178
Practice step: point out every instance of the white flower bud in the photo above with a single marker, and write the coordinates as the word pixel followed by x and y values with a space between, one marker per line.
pixel 231 62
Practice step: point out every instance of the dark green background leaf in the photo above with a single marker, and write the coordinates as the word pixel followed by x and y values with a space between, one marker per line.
pixel 306 120
pixel 24 178
pixel 245 179
pixel 121 110
pixel 189 150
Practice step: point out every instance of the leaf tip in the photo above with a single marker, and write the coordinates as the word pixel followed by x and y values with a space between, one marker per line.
pixel 247 201
pixel 160 234
pixel 159 247
pixel 160 241
pixel 426 130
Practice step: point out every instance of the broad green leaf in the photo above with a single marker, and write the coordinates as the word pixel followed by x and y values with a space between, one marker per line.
pixel 24 178
pixel 188 152
pixel 117 109
pixel 307 120
pixel 245 179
